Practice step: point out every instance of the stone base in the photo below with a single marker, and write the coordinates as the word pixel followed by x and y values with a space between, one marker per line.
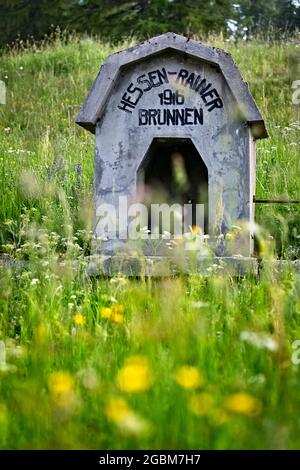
pixel 162 266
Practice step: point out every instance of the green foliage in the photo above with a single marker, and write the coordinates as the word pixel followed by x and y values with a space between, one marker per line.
pixel 205 363
pixel 24 19
pixel 255 16
pixel 116 19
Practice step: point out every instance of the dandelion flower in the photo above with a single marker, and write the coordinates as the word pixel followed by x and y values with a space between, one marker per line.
pixel 135 375
pixel 61 385
pixel 119 308
pixel 115 313
pixel 195 229
pixel 243 403
pixel 117 318
pixel 189 377
pixel 106 312
pixel 119 412
pixel 60 382
pixel 117 409
pixel 79 319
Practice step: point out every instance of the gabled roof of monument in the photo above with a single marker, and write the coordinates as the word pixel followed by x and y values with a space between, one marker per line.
pixel 96 99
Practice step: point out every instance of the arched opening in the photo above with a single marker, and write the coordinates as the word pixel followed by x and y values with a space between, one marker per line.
pixel 173 172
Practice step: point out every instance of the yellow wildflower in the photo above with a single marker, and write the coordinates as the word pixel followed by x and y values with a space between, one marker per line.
pixel 243 403
pixel 61 388
pixel 117 317
pixel 117 409
pixel 189 377
pixel 79 319
pixel 60 382
pixel 201 403
pixel 118 309
pixel 135 375
pixel 195 229
pixel 106 312
pixel 115 313
pixel 230 236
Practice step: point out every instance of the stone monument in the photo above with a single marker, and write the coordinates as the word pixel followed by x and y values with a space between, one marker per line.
pixel 174 124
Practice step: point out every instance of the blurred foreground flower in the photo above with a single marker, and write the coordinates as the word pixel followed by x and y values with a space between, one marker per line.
pixel 117 318
pixel 260 340
pixel 195 229
pixel 135 375
pixel 119 308
pixel 189 377
pixel 61 386
pixel 88 377
pixel 79 319
pixel 117 409
pixel 243 403
pixel 115 313
pixel 119 412
pixel 105 312
pixel 201 404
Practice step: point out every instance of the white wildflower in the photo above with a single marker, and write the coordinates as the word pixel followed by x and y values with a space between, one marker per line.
pixel 260 340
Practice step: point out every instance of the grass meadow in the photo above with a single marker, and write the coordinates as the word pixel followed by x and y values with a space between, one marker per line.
pixel 186 362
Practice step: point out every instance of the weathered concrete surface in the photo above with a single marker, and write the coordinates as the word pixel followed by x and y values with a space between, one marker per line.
pixel 223 142
pixel 96 100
